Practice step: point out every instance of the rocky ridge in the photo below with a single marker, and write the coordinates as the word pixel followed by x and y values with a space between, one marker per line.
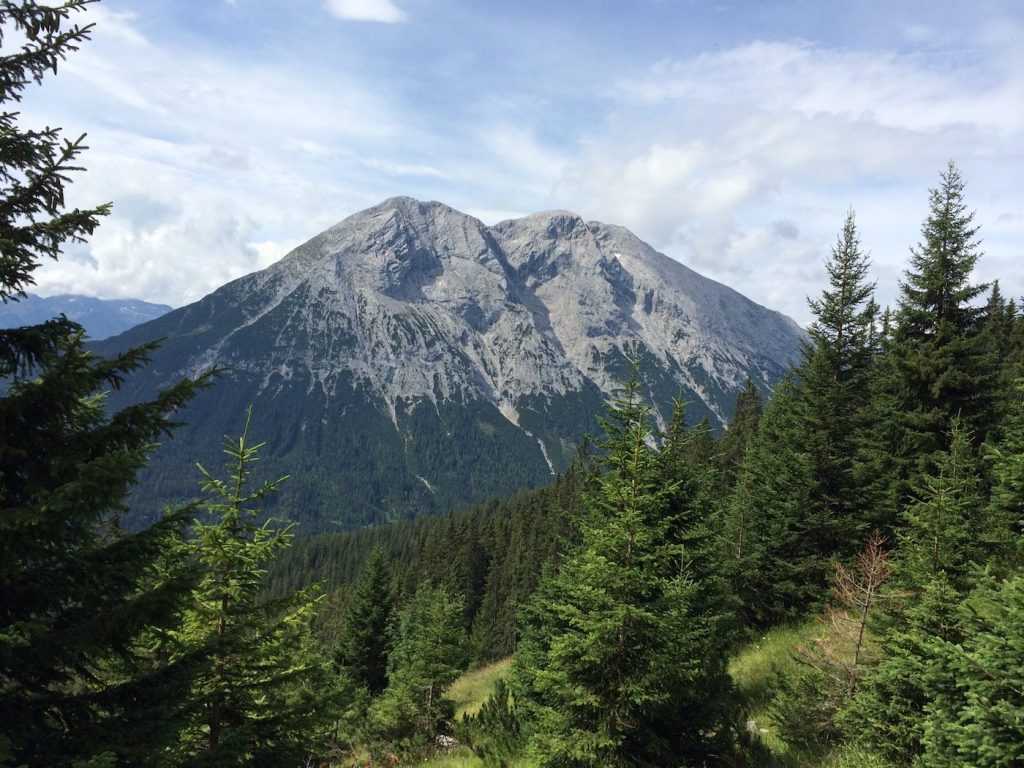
pixel 433 332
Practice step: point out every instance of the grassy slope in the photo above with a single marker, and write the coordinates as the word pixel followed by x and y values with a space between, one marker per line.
pixel 471 690
pixel 752 670
pixel 469 693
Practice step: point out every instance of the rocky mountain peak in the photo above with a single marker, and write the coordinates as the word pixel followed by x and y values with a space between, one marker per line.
pixel 442 345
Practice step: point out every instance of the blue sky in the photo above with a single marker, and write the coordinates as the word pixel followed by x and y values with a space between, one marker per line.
pixel 731 135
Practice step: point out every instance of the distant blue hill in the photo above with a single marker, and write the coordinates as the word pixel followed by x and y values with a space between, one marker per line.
pixel 101 318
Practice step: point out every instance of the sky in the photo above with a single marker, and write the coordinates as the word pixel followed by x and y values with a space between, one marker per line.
pixel 732 136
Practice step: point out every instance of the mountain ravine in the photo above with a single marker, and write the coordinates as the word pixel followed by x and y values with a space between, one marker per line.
pixel 411 359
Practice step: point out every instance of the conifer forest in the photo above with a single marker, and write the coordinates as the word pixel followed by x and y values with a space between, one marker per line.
pixel 832 578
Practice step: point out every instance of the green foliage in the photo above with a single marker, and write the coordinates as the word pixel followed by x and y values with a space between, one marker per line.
pixel 879 466
pixel 78 597
pixel 940 533
pixel 259 695
pixel 767 535
pixel 492 553
pixel 363 651
pixel 980 721
pixel 428 654
pixel 937 559
pixel 493 733
pixel 835 388
pixel 1004 515
pixel 945 370
pixel 619 663
pixel 887 711
pixel 804 707
pixel 742 428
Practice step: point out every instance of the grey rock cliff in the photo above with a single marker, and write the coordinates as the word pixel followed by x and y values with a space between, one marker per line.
pixel 447 335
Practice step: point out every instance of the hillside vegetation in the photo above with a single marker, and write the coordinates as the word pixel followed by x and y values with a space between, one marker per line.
pixel 836 580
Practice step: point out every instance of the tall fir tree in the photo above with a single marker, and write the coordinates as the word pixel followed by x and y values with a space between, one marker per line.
pixel 428 654
pixel 835 377
pixel 620 663
pixel 259 695
pixel 742 428
pixel 77 594
pixel 768 550
pixel 363 649
pixel 944 368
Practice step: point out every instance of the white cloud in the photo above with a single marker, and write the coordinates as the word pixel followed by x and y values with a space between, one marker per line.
pixel 218 164
pixel 703 155
pixel 190 149
pixel 384 11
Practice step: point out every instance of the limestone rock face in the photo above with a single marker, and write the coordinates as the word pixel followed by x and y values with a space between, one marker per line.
pixel 410 358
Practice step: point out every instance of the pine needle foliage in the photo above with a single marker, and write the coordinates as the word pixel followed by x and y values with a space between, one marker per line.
pixel 259 694
pixel 78 596
pixel 619 658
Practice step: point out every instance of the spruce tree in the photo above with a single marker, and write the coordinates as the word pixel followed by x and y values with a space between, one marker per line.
pixel 888 711
pixel 428 654
pixel 1014 366
pixel 767 536
pixel 77 594
pixel 1004 514
pixel 687 465
pixel 742 427
pixel 259 694
pixel 935 569
pixel 980 721
pixel 363 650
pixel 942 525
pixel 879 464
pixel 620 663
pixel 940 351
pixel 835 387
pixel 998 330
pixel 493 733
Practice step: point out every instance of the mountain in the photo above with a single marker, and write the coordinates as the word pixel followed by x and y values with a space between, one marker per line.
pixel 100 317
pixel 410 358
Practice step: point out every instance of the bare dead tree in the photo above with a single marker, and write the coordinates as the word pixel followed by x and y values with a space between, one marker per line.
pixel 856 590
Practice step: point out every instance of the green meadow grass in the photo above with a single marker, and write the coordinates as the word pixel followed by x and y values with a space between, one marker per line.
pixel 471 690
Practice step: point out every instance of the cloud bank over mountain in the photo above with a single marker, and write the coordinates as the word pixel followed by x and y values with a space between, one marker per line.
pixel 225 131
